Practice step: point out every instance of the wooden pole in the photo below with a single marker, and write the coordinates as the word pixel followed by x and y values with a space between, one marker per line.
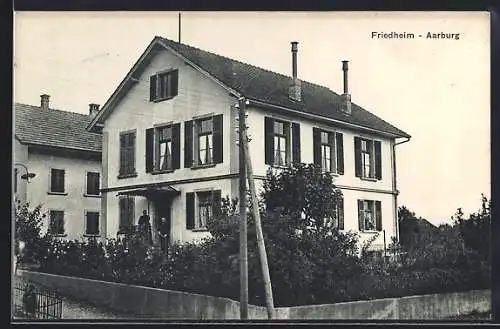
pixel 243 214
pixel 179 27
pixel 258 228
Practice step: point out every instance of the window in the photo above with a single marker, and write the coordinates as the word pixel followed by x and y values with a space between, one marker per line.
pixel 164 85
pixel 127 211
pixel 328 151
pixel 92 223
pixel 339 214
pixel 368 158
pixel 57 180
pixel 163 148
pixel 201 207
pixel 93 182
pixel 127 153
pixel 56 224
pixel 282 142
pixel 369 215
pixel 203 143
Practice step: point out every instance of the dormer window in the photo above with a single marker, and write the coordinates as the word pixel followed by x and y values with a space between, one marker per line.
pixel 164 85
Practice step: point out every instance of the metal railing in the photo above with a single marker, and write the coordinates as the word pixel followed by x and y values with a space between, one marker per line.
pixel 35 302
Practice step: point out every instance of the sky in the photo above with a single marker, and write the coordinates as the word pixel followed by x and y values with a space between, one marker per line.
pixel 437 90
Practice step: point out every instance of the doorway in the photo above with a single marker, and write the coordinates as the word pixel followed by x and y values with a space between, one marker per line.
pixel 163 210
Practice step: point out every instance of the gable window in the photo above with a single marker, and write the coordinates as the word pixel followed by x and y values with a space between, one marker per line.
pixel 127 210
pixel 203 143
pixel 282 142
pixel 93 182
pixel 163 85
pixel 56 222
pixel 92 223
pixel 201 207
pixel 328 151
pixel 369 215
pixel 127 153
pixel 57 180
pixel 368 160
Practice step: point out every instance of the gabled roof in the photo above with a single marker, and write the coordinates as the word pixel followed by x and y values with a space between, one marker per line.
pixel 34 125
pixel 264 86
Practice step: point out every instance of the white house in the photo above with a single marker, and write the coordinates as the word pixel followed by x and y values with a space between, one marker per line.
pixel 170 141
pixel 65 160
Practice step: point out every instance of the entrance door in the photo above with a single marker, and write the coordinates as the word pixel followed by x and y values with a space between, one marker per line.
pixel 163 210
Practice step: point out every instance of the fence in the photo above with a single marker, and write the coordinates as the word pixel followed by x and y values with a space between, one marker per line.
pixel 35 302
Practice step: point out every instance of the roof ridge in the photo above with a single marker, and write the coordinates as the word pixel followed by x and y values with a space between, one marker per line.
pixel 252 65
pixel 53 109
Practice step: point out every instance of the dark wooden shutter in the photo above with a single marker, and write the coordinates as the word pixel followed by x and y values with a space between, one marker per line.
pixel 174 80
pixel 188 144
pixel 340 214
pixel 295 143
pixel 152 87
pixel 378 215
pixel 361 217
pixel 190 211
pixel 130 211
pixel 123 213
pixel 378 160
pixel 150 147
pixel 317 146
pixel 123 147
pixel 176 146
pixel 218 139
pixel 131 151
pixel 340 152
pixel 216 203
pixel 357 156
pixel 269 140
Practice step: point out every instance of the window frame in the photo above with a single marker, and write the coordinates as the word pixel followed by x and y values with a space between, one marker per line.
pixel 86 192
pixel 374 213
pixel 133 171
pixel 197 121
pixel 369 150
pixel 287 127
pixel 156 154
pixel 332 143
pixel 49 226
pixel 158 96
pixel 86 213
pixel 209 203
pixel 64 182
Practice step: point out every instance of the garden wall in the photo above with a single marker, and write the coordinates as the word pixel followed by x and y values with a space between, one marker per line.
pixel 166 304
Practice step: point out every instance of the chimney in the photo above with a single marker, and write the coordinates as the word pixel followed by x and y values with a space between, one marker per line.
pixel 44 101
pixel 294 91
pixel 93 109
pixel 346 97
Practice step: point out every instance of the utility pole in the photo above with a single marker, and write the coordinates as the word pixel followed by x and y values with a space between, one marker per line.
pixel 243 213
pixel 258 227
pixel 179 27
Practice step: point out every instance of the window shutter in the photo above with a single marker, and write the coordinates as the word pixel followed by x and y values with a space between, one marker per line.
pixel 130 211
pixel 269 140
pixel 174 83
pixel 378 160
pixel 176 146
pixel 357 156
pixel 122 153
pixel 216 203
pixel 150 133
pixel 295 143
pixel 152 87
pixel 189 211
pixel 123 212
pixel 317 146
pixel 53 180
pixel 340 152
pixel 378 215
pixel 61 223
pixel 132 152
pixel 340 215
pixel 218 139
pixel 361 217
pixel 188 144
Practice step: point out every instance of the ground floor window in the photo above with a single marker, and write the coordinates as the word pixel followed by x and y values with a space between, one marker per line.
pixel 92 223
pixel 56 222
pixel 201 207
pixel 369 215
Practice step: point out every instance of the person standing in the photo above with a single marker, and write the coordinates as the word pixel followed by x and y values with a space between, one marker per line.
pixel 163 230
pixel 145 228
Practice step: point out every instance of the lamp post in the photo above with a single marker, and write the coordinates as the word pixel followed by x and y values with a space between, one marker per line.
pixel 28 174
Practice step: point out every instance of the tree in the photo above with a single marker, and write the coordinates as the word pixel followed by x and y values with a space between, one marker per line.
pixel 28 228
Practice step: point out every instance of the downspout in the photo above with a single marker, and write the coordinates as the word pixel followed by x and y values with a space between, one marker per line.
pixel 394 184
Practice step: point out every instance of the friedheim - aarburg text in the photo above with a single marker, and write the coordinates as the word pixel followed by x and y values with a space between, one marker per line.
pixel 407 35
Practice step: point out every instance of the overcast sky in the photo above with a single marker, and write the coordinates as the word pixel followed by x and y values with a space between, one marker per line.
pixel 438 91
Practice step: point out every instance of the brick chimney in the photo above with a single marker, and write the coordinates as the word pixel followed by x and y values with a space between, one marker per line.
pixel 346 97
pixel 44 101
pixel 93 109
pixel 294 91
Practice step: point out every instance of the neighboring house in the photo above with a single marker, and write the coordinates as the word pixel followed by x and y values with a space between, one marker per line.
pixel 170 141
pixel 66 160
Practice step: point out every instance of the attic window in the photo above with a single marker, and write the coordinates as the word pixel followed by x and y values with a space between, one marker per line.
pixel 163 85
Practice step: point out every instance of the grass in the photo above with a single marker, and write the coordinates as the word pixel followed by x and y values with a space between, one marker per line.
pixel 474 315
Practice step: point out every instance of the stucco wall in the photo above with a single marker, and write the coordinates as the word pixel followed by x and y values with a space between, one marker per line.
pixel 74 203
